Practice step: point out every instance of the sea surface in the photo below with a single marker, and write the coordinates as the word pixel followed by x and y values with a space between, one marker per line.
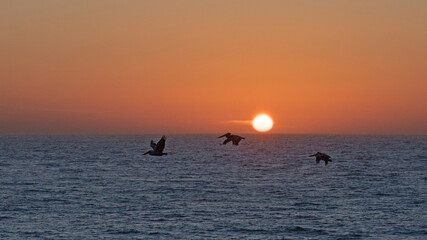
pixel 102 187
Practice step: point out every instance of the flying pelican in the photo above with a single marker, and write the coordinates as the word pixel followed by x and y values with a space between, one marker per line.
pixel 321 156
pixel 231 138
pixel 157 148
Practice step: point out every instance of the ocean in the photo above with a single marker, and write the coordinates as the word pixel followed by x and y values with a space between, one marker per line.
pixel 103 187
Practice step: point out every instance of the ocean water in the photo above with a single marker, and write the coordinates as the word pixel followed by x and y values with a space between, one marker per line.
pixel 102 187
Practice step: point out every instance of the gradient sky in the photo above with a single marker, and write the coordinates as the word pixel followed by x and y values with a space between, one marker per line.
pixel 204 66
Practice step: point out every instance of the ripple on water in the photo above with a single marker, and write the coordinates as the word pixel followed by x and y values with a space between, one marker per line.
pixel 74 187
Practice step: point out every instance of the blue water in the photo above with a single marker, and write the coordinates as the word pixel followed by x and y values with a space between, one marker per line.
pixel 102 187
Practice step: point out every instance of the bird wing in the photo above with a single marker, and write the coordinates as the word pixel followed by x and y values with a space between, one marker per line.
pixel 153 145
pixel 160 145
pixel 227 141
pixel 236 140
pixel 325 155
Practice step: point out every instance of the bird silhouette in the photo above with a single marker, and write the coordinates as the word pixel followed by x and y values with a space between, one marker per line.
pixel 157 147
pixel 231 138
pixel 321 156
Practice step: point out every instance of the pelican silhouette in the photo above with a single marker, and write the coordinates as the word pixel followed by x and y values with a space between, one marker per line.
pixel 321 156
pixel 231 138
pixel 157 147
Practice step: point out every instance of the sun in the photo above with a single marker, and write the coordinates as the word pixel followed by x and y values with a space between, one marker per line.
pixel 262 123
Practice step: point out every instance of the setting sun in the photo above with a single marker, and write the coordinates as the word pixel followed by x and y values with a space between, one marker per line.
pixel 262 123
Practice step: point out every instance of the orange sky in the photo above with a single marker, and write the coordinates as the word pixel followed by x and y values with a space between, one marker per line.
pixel 195 66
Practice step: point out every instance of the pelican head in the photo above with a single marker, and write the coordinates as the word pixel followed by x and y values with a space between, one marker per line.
pixel 315 155
pixel 227 135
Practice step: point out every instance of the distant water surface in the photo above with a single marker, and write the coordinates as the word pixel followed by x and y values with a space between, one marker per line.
pixel 102 187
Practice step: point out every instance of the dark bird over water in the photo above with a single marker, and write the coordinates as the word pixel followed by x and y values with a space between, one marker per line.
pixel 157 147
pixel 231 138
pixel 321 156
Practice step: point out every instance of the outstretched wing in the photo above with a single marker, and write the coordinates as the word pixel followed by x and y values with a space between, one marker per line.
pixel 153 145
pixel 237 139
pixel 160 146
pixel 227 141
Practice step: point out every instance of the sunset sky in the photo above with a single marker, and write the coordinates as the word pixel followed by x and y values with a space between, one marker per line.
pixel 338 67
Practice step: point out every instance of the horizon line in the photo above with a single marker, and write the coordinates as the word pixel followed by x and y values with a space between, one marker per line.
pixel 249 133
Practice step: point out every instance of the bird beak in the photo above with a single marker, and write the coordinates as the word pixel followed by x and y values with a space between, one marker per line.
pixel 313 155
pixel 222 136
